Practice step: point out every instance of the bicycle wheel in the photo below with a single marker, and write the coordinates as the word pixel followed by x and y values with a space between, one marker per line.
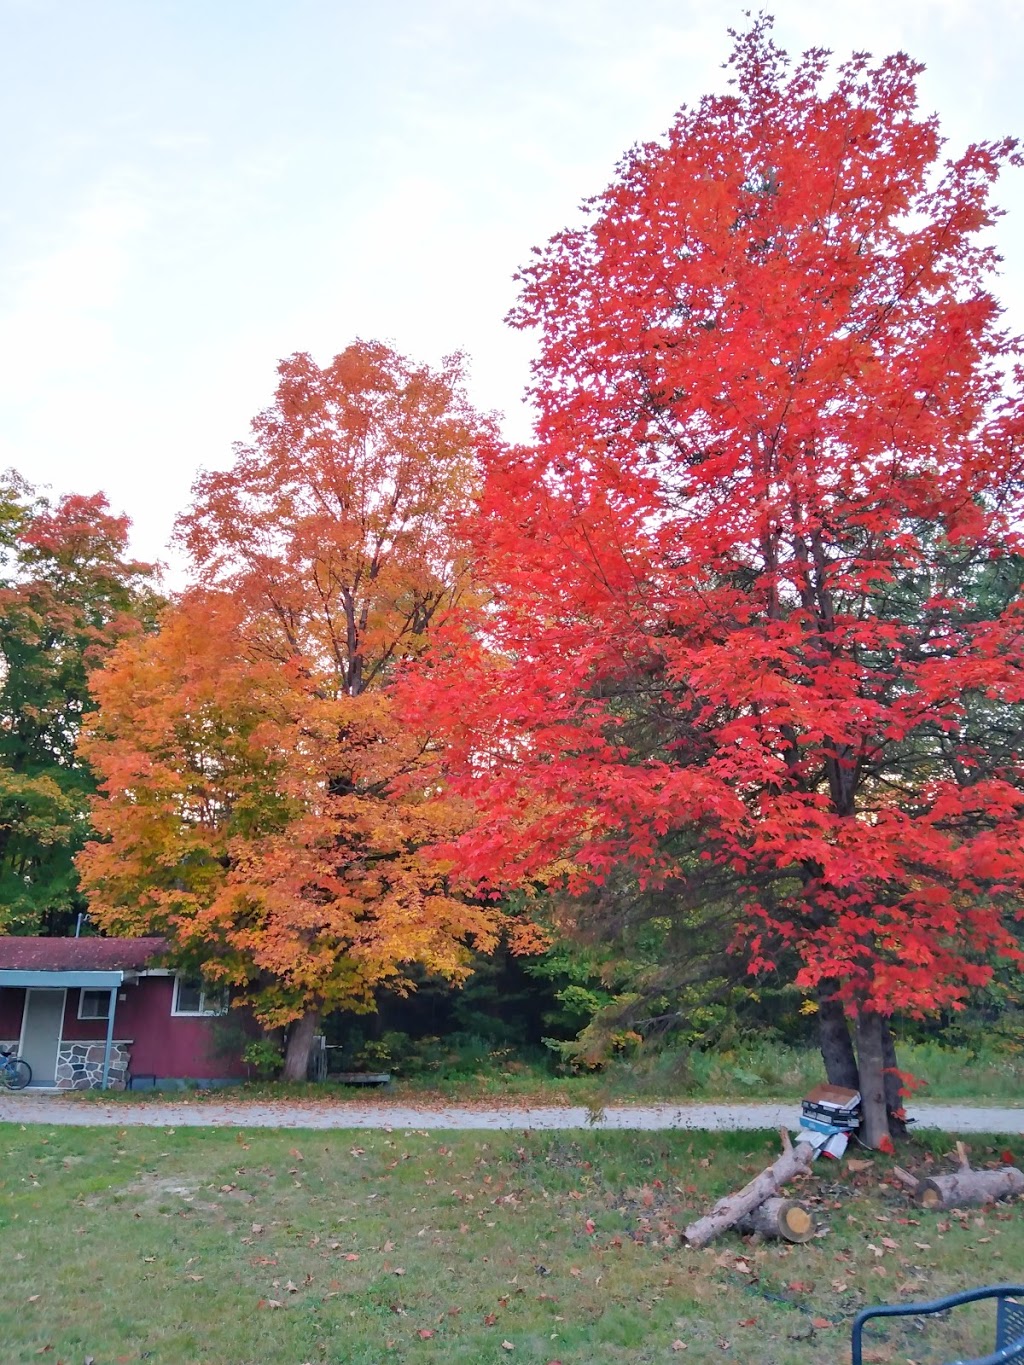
pixel 16 1074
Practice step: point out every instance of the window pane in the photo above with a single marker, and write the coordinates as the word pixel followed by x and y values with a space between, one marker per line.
pixel 190 997
pixel 95 1004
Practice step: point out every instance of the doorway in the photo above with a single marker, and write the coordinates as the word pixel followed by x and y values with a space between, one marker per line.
pixel 41 1029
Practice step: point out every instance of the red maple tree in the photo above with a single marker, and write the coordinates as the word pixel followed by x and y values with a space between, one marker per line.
pixel 757 623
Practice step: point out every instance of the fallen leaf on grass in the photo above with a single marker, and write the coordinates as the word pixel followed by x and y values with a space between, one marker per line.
pixel 351 1256
pixel 34 1298
pixel 269 1303
pixel 821 1323
pixel 507 1346
pixel 425 1333
pixel 678 1345
pixel 800 1286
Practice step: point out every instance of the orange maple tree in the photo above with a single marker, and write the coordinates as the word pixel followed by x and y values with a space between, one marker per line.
pixel 758 624
pixel 262 799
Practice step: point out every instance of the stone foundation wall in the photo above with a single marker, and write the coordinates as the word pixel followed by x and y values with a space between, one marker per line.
pixel 80 1065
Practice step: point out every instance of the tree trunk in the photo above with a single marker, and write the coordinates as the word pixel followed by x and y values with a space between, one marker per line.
pixel 874 1122
pixel 728 1211
pixel 786 1218
pixel 834 1039
pixel 893 1098
pixel 300 1044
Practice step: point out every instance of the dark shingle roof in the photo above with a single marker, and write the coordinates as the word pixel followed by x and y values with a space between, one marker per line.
pixel 78 954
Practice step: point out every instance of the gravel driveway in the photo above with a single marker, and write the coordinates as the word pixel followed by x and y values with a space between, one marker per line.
pixel 207 1113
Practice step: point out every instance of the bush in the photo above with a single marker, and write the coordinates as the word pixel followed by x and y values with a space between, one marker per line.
pixel 263 1057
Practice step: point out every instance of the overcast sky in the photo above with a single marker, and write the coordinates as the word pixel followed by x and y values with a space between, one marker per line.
pixel 193 189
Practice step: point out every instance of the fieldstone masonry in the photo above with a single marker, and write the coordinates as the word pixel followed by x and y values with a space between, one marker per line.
pixel 80 1066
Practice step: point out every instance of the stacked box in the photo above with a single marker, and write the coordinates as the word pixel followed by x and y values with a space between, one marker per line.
pixel 828 1115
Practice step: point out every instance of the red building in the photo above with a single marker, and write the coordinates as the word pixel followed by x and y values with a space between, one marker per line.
pixel 96 1012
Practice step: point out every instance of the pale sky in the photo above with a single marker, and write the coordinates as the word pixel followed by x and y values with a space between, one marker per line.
pixel 196 188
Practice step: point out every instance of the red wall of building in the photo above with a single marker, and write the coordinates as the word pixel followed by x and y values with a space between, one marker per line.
pixel 165 1045
pixel 162 1044
pixel 12 1007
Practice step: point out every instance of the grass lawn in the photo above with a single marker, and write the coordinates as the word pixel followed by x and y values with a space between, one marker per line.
pixel 279 1248
pixel 751 1072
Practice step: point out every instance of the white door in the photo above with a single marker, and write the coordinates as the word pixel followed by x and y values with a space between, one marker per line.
pixel 40 1033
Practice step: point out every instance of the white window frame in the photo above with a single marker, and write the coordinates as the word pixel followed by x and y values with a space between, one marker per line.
pixel 92 1018
pixel 207 993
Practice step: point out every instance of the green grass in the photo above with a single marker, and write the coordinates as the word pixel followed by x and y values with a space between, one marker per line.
pixel 175 1246
pixel 754 1071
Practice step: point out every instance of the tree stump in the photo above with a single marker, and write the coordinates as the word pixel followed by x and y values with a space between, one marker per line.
pixel 728 1211
pixel 789 1219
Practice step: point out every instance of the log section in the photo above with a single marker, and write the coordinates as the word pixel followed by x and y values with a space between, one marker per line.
pixel 786 1218
pixel 728 1211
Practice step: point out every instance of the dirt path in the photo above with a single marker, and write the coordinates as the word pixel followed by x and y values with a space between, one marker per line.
pixel 205 1113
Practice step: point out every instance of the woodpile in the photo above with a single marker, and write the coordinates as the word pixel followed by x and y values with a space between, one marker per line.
pixel 757 1208
pixel 964 1188
pixel 760 1210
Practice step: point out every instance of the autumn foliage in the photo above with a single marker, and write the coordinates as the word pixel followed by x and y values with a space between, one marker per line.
pixel 758 627
pixel 262 803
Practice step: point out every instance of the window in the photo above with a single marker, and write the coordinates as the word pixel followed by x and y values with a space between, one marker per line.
pixel 94 1005
pixel 193 995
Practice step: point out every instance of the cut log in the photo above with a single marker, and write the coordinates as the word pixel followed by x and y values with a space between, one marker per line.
pixel 728 1211
pixel 778 1217
pixel 967 1187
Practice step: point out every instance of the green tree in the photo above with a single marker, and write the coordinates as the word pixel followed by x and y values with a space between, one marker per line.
pixel 68 594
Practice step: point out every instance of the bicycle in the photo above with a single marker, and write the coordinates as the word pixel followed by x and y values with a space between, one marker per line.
pixel 15 1072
